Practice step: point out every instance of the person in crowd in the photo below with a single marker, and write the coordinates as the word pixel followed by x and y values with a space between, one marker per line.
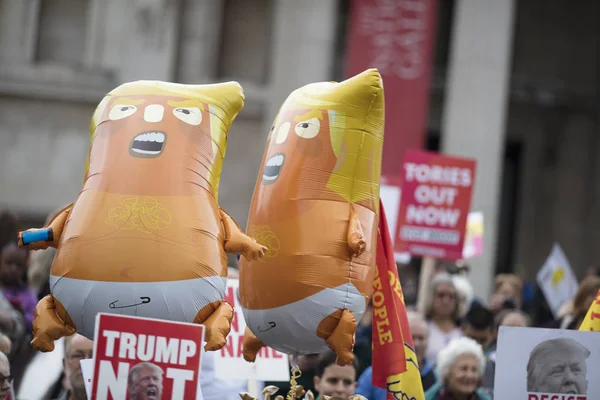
pixel 540 311
pixel 77 348
pixel 308 368
pixel 38 274
pixel 465 296
pixel 145 382
pixel 513 318
pixel 516 318
pixel 420 335
pixel 441 311
pixel 558 366
pixel 13 267
pixel 8 228
pixel 12 323
pixel 6 389
pixel 479 326
pixel 460 367
pixel 5 344
pixel 508 292
pixel 586 293
pixel 363 345
pixel 334 380
pixel 44 376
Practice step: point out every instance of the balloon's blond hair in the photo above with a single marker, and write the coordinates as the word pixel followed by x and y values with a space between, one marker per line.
pixel 356 115
pixel 225 100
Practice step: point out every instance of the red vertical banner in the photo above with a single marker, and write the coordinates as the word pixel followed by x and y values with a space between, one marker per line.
pixel 397 37
pixel 395 365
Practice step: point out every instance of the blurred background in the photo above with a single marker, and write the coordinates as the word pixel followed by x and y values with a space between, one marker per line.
pixel 514 84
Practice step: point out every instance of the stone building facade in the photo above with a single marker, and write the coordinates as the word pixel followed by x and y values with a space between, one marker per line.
pixel 515 85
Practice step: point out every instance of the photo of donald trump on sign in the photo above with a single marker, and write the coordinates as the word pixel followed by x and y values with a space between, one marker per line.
pixel 145 382
pixel 546 364
pixel 558 366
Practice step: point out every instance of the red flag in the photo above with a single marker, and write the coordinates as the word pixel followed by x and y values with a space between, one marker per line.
pixel 395 365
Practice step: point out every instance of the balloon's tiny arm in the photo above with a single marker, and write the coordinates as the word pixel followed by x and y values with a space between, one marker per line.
pixel 251 345
pixel 218 325
pixel 341 340
pixel 51 322
pixel 237 242
pixel 48 236
pixel 356 238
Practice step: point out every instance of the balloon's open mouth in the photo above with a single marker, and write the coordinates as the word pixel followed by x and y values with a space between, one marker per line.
pixel 148 144
pixel 272 168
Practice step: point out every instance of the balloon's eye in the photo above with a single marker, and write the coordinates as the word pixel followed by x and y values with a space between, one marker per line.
pixel 308 129
pixel 121 111
pixel 189 115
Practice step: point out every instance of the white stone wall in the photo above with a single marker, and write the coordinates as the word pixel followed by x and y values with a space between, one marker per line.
pixel 45 105
pixel 43 147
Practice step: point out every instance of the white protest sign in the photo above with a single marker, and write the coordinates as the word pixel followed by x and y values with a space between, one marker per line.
pixel 390 199
pixel 547 364
pixel 557 280
pixel 270 365
pixel 87 371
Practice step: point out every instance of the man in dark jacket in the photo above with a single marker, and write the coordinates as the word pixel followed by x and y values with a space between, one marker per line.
pixel 420 335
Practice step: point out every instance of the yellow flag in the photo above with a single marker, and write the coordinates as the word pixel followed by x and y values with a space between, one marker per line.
pixel 592 319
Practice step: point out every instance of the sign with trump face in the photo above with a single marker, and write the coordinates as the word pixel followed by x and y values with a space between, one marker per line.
pixel 146 359
pixel 547 364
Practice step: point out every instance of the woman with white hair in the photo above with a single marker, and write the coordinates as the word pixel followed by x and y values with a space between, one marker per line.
pixel 460 367
pixel 442 313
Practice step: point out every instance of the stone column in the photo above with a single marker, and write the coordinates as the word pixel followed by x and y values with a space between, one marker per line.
pixel 303 48
pixel 475 111
pixel 18 31
pixel 200 40
pixel 150 43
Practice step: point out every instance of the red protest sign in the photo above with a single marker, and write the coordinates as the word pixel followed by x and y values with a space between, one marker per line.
pixel 146 358
pixel 435 203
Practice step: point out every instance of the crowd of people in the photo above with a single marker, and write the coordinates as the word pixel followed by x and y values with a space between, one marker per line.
pixel 454 335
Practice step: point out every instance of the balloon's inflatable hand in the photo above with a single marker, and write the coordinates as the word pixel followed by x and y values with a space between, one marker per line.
pixel 49 236
pixel 238 242
pixel 251 345
pixel 356 239
pixel 218 326
pixel 51 322
pixel 36 239
pixel 341 340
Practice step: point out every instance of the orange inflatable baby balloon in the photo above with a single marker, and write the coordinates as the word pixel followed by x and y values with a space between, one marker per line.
pixel 315 207
pixel 146 236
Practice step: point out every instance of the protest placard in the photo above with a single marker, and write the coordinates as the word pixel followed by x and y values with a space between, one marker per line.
pixel 87 372
pixel 547 364
pixel 270 365
pixel 435 202
pixel 473 236
pixel 156 359
pixel 557 280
